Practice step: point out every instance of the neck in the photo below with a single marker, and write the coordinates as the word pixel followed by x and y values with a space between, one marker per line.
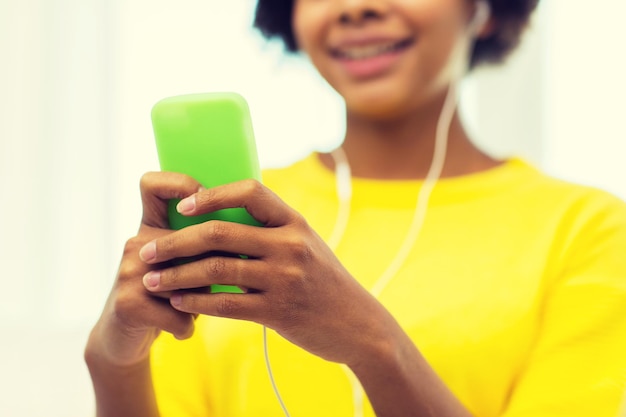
pixel 403 148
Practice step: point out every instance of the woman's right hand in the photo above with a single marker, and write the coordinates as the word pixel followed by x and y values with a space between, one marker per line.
pixel 132 317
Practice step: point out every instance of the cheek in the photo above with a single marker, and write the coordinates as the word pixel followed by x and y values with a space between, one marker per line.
pixel 306 24
pixel 445 44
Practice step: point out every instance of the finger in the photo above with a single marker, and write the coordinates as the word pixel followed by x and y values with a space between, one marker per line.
pixel 258 200
pixel 211 236
pixel 145 311
pixel 135 308
pixel 243 273
pixel 181 326
pixel 157 188
pixel 251 307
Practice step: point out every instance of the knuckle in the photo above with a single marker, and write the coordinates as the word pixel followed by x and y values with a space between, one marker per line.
pixel 146 181
pixel 226 306
pixel 217 233
pixel 299 222
pixel 130 266
pixel 252 187
pixel 185 186
pixel 132 246
pixel 124 305
pixel 215 266
pixel 300 249
pixel 128 271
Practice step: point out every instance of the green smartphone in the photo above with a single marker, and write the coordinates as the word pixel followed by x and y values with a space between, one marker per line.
pixel 209 137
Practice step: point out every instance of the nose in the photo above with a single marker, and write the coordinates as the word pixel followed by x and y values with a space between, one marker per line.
pixel 357 12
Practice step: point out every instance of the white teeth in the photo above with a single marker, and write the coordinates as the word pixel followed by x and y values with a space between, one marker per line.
pixel 362 52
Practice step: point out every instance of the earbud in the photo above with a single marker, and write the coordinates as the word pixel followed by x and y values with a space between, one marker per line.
pixel 481 16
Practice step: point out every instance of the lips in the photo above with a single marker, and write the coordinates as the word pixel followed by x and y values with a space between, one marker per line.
pixel 369 50
pixel 364 59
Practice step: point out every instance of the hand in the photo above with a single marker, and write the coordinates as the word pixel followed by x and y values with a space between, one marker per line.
pixel 133 317
pixel 294 284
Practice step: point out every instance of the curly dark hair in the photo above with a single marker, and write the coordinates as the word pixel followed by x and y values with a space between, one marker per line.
pixel 511 17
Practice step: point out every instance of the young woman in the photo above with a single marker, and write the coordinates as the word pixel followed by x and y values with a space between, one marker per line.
pixel 407 273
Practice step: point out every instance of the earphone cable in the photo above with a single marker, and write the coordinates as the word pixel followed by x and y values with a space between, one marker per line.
pixel 344 193
pixel 268 365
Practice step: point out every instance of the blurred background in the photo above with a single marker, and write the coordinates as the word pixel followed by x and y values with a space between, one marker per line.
pixel 78 79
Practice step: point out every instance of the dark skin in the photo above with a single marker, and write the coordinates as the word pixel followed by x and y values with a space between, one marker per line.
pixel 392 115
pixel 299 285
pixel 371 156
pixel 295 301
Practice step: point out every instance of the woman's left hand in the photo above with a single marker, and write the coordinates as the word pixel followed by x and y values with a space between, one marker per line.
pixel 293 282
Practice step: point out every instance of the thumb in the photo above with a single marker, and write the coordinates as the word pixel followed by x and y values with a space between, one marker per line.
pixel 258 200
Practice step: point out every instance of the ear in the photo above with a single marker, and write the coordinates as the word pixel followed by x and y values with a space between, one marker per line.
pixel 482 23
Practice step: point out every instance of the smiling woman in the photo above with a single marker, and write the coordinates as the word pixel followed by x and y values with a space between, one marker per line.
pixel 407 272
pixel 424 45
pixel 77 81
pixel 273 19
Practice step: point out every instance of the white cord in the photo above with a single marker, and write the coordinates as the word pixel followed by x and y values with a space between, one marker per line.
pixel 358 394
pixel 343 180
pixel 423 197
pixel 421 207
pixel 271 374
pixel 343 185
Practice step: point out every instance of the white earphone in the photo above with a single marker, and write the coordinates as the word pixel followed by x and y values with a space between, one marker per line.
pixel 481 16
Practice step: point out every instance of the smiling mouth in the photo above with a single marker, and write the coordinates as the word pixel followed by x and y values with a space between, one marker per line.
pixel 369 51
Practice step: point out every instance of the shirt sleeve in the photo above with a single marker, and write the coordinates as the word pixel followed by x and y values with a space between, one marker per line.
pixel 578 365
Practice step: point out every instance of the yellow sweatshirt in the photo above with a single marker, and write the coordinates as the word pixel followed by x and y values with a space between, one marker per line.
pixel 515 292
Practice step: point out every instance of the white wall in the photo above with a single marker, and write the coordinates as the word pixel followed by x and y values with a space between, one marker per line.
pixel 55 159
pixel 78 79
pixel 585 92
pixel 55 244
pixel 506 103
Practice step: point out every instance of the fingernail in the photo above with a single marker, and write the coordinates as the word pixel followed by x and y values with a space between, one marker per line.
pixel 152 279
pixel 187 205
pixel 148 252
pixel 176 300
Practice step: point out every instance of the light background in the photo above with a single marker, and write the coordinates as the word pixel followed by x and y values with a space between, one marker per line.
pixel 78 79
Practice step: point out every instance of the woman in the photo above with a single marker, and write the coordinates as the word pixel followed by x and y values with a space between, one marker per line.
pixel 445 282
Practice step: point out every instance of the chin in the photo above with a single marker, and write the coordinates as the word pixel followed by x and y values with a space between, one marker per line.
pixel 380 107
pixel 377 112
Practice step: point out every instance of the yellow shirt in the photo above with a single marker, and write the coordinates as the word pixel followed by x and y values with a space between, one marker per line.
pixel 515 292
